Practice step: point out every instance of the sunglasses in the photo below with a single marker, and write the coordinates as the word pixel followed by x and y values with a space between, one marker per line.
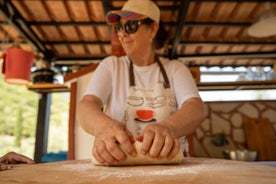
pixel 130 26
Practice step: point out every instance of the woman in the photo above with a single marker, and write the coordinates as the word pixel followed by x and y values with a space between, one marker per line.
pixel 145 98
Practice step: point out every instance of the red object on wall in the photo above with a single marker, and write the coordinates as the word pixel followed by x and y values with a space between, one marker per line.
pixel 17 65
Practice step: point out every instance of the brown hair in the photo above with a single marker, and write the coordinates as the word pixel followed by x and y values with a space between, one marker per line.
pixel 161 35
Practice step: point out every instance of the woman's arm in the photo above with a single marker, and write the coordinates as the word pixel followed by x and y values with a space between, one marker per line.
pixel 110 135
pixel 90 115
pixel 185 120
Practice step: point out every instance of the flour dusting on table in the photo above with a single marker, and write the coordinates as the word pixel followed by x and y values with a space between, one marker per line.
pixel 104 172
pixel 191 170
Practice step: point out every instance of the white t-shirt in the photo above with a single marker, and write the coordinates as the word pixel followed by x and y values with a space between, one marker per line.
pixel 110 82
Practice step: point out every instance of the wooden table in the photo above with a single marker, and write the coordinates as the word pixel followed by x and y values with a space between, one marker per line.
pixel 192 170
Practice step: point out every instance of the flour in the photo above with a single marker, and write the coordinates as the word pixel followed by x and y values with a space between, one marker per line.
pixel 144 173
pixel 191 170
pixel 76 167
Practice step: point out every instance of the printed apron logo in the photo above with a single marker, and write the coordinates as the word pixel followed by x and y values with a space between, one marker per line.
pixel 145 106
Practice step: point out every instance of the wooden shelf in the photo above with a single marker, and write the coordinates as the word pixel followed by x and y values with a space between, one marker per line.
pixel 238 85
pixel 48 87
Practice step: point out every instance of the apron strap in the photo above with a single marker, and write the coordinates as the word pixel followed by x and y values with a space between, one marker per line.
pixel 164 74
pixel 166 83
pixel 131 74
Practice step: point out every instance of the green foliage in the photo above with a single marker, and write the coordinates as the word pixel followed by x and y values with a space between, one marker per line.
pixel 18 128
pixel 15 98
pixel 18 118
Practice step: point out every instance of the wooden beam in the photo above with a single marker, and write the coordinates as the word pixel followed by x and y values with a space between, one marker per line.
pixel 72 119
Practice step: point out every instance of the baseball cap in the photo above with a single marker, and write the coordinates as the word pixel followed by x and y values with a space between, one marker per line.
pixel 135 10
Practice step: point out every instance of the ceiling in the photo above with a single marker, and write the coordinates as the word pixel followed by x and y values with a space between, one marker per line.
pixel 73 33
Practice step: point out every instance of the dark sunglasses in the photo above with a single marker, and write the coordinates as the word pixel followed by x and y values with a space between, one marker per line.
pixel 130 26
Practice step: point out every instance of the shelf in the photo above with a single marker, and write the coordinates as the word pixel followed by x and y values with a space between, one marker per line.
pixel 238 85
pixel 48 87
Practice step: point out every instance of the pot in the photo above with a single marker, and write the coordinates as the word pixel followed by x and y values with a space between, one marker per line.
pixel 43 76
pixel 241 155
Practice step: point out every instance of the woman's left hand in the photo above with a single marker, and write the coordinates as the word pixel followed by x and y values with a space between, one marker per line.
pixel 159 141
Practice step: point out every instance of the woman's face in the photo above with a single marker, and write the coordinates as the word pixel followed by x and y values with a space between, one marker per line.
pixel 140 41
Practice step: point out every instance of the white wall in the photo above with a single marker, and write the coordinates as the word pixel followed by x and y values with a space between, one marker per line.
pixel 83 140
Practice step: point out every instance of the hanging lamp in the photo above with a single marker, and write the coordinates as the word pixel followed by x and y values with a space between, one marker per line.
pixel 266 26
pixel 17 64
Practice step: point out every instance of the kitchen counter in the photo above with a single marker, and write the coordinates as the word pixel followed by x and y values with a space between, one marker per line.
pixel 191 170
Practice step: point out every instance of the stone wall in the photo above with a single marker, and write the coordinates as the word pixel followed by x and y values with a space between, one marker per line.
pixel 223 127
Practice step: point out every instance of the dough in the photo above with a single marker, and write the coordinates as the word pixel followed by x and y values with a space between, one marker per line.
pixel 141 159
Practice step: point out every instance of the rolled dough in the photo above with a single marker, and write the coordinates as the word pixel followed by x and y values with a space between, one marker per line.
pixel 141 159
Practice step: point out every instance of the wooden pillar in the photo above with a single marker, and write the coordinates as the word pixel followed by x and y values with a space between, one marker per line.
pixel 72 119
pixel 42 126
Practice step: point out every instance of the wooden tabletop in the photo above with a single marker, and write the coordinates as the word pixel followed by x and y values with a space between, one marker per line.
pixel 192 170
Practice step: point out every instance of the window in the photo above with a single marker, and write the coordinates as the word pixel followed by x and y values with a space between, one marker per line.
pixel 230 74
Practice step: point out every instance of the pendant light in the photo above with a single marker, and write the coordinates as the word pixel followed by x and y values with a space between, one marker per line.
pixel 266 26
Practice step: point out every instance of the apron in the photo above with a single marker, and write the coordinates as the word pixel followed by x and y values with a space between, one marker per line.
pixel 150 105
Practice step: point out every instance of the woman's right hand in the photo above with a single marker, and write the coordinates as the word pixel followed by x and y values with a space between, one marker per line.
pixel 110 143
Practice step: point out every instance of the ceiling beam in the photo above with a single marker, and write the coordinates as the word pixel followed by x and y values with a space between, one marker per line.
pixel 107 6
pixel 169 0
pixel 218 24
pixel 14 18
pixel 183 9
pixel 243 55
pixel 232 43
pixel 240 1
pixel 185 43
pixel 76 42
pixel 65 23
pixel 86 23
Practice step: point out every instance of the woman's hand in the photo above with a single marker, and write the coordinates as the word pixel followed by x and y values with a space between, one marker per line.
pixel 110 143
pixel 13 158
pixel 159 141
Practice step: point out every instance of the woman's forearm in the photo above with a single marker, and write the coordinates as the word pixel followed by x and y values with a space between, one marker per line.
pixel 185 120
pixel 90 115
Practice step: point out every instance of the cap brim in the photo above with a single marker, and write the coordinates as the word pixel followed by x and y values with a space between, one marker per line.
pixel 115 16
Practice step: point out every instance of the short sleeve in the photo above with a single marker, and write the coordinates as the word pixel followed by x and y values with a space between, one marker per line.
pixel 184 85
pixel 101 83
